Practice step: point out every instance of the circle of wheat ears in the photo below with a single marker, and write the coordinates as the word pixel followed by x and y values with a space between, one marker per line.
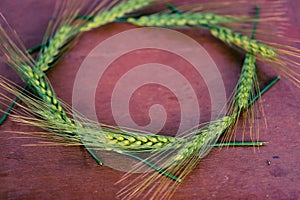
pixel 242 25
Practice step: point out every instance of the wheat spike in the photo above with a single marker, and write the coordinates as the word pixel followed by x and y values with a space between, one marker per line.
pixel 284 58
pixel 116 11
pixel 181 19
pixel 39 113
pixel 62 31
pixel 246 83
pixel 249 45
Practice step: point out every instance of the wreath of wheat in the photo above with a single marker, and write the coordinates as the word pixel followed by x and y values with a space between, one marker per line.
pixel 169 159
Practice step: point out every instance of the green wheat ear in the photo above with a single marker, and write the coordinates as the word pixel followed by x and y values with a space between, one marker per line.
pixel 243 41
pixel 116 12
pixel 246 83
pixel 180 20
pixel 53 48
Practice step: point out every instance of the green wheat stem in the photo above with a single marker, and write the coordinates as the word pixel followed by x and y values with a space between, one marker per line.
pixel 242 144
pixel 85 17
pixel 265 89
pixel 257 9
pixel 94 156
pixel 173 8
pixel 36 48
pixel 154 167
pixel 9 109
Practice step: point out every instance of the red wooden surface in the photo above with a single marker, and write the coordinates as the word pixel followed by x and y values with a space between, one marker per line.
pixel 70 173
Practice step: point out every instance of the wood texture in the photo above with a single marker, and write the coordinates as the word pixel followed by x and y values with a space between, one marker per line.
pixel 70 173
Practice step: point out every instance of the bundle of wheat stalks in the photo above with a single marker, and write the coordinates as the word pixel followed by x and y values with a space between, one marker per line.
pixel 169 159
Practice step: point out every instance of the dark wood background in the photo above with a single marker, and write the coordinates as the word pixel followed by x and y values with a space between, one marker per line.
pixel 70 173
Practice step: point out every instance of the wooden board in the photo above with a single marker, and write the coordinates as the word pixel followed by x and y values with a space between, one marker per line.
pixel 70 173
